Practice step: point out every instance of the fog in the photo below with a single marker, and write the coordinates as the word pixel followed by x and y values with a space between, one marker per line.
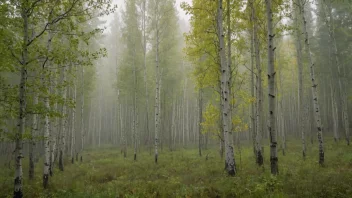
pixel 118 98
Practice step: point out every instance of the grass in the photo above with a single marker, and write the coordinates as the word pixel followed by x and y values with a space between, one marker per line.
pixel 105 173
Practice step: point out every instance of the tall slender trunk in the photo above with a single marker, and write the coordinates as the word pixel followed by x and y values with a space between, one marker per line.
pixel 253 105
pixel 100 114
pixel 159 110
pixel 317 115
pixel 73 129
pixel 32 142
pixel 46 170
pixel 200 118
pixel 145 75
pixel 82 115
pixel 334 114
pixel 46 79
pixel 259 91
pixel 135 108
pixel 54 127
pixel 156 105
pixel 271 91
pixel 63 122
pixel 300 80
pixel 22 107
pixel 281 117
pixel 183 110
pixel 225 97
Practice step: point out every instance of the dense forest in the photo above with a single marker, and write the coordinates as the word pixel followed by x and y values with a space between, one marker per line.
pixel 166 98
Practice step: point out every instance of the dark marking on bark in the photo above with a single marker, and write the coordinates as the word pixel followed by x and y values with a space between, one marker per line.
pixel 304 154
pixel 18 193
pixel 45 181
pixel 321 158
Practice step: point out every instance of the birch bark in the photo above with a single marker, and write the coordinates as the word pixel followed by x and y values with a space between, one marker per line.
pixel 225 97
pixel 271 90
pixel 316 106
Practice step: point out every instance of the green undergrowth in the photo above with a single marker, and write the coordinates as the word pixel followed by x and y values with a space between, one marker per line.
pixel 182 173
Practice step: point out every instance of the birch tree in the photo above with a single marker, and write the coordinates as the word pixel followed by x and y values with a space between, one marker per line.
pixel 271 90
pixel 225 97
pixel 316 109
pixel 259 93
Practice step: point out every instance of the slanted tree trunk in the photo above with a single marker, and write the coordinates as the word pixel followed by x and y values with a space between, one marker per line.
pixel 271 91
pixel 316 106
pixel 225 96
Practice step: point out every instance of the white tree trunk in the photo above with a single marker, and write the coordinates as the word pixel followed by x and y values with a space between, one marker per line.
pixel 145 73
pixel 63 123
pixel 134 130
pixel 46 170
pixel 100 115
pixel 300 80
pixel 253 106
pixel 54 127
pixel 46 79
pixel 82 115
pixel 334 114
pixel 73 129
pixel 157 100
pixel 225 96
pixel 317 115
pixel 259 91
pixel 32 142
pixel 22 108
pixel 271 91
pixel 200 120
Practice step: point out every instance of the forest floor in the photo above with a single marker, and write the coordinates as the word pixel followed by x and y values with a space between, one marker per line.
pixel 182 173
